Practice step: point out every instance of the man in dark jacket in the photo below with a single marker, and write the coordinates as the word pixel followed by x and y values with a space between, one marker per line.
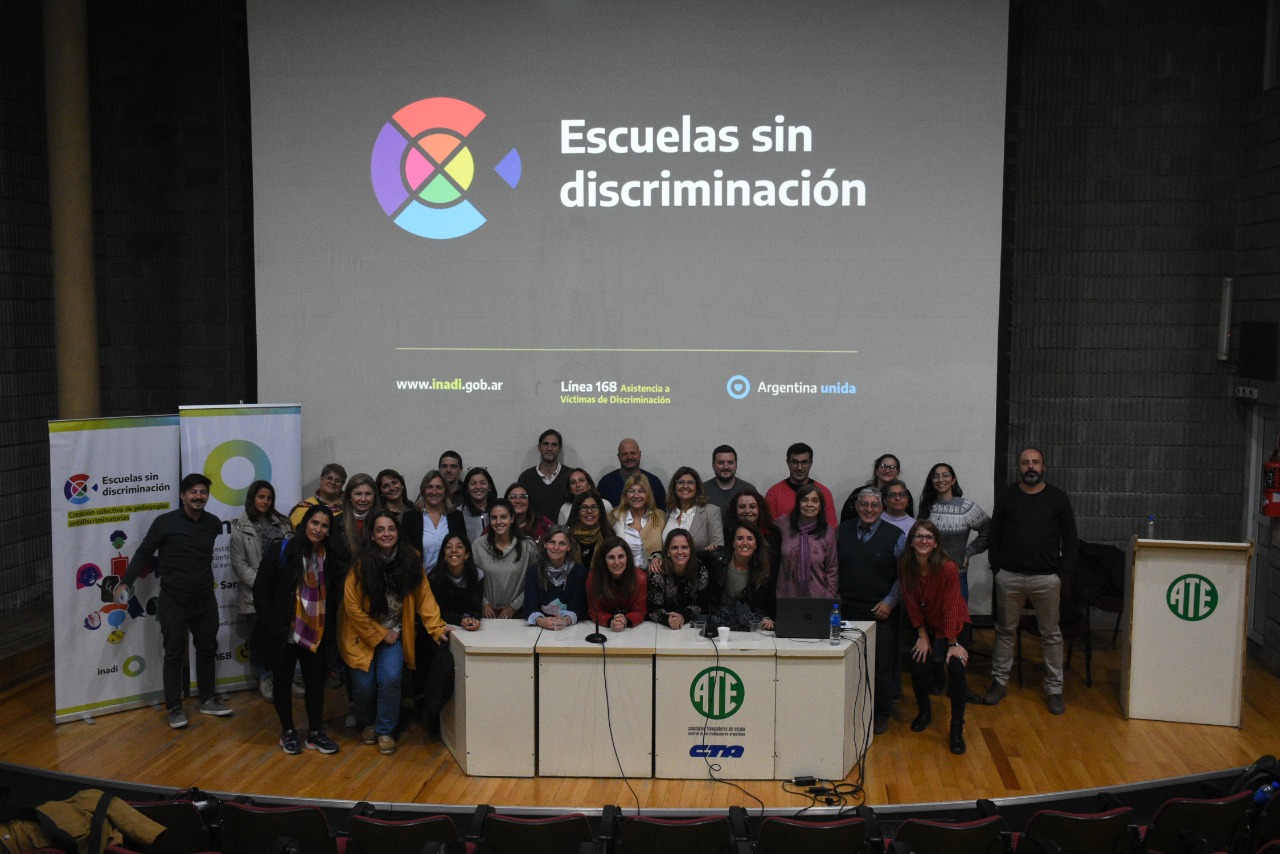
pixel 184 539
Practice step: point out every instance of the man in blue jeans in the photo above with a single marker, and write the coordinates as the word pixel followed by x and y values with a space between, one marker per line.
pixel 1033 544
pixel 186 605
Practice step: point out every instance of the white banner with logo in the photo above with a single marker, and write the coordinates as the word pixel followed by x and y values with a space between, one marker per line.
pixel 108 479
pixel 234 446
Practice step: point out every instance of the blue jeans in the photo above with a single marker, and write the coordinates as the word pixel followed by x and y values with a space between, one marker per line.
pixel 376 691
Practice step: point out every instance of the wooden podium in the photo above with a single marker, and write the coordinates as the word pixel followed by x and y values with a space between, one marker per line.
pixel 1184 659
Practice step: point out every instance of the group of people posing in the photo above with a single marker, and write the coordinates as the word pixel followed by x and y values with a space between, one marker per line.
pixel 363 580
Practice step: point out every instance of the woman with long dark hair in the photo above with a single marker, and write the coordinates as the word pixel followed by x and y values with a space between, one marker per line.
pixel 616 590
pixel 810 565
pixel 942 502
pixel 385 590
pixel 456 583
pixel 296 625
pixel 391 492
pixel 743 582
pixel 588 525
pixel 504 556
pixel 580 482
pixel 937 612
pixel 555 586
pixel 682 590
pixel 748 505
pixel 258 526
pixel 529 525
pixel 478 495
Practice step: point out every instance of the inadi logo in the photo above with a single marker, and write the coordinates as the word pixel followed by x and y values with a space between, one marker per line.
pixel 717 693
pixel 1192 597
pixel 422 168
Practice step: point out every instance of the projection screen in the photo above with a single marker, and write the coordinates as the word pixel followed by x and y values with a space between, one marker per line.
pixel 688 222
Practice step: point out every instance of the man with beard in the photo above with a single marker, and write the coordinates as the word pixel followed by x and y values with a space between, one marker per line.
pixel 1032 546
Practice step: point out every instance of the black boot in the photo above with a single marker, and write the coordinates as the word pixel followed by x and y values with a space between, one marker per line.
pixel 922 720
pixel 957 737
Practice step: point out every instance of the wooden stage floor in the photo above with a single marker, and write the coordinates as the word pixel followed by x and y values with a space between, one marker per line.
pixel 1015 749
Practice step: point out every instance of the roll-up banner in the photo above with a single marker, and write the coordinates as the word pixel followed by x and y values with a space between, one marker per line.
pixel 108 480
pixel 234 446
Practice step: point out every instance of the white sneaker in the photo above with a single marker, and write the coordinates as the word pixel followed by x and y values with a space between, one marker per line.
pixel 266 688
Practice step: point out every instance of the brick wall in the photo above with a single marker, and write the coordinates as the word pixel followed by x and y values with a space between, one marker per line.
pixel 1127 147
pixel 28 389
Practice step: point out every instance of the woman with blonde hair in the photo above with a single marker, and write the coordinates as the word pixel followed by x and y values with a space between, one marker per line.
pixel 638 521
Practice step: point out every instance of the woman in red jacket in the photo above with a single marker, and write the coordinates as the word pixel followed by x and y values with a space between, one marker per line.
pixel 617 592
pixel 938 614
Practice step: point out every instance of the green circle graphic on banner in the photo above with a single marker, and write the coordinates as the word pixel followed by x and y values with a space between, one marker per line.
pixel 1191 597
pixel 223 454
pixel 717 693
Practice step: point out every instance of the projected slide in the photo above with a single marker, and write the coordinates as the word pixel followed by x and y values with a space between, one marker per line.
pixel 688 222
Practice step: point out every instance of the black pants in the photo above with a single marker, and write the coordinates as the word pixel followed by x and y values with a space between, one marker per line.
pixel 180 617
pixel 435 671
pixel 313 674
pixel 922 678
pixel 888 656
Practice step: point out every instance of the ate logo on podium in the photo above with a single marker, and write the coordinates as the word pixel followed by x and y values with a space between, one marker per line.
pixel 717 693
pixel 1192 597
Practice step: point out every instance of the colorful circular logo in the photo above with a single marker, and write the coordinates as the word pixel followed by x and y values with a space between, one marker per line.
pixel 77 489
pixel 422 168
pixel 1191 597
pixel 717 693
pixel 133 665
pixel 738 386
pixel 224 453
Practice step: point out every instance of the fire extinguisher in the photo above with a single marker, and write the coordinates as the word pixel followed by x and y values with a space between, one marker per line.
pixel 1271 485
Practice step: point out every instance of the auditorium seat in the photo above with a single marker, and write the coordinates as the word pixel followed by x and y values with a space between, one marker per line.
pixel 250 829
pixel 1110 832
pixel 561 834
pixel 706 835
pixel 1198 824
pixel 982 836
pixel 791 835
pixel 185 831
pixel 369 835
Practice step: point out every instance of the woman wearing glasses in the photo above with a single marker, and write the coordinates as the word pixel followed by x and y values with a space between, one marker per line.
pixel 884 469
pixel 579 483
pixel 588 525
pixel 688 510
pixel 526 523
pixel 938 614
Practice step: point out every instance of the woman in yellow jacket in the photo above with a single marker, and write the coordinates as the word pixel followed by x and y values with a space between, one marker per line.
pixel 385 590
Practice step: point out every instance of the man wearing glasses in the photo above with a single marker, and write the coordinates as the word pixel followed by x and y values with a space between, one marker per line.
pixel 548 481
pixel 328 492
pixel 1033 544
pixel 868 549
pixel 781 497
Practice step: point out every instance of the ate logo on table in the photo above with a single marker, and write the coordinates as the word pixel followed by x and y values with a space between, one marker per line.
pixel 1192 597
pixel 717 693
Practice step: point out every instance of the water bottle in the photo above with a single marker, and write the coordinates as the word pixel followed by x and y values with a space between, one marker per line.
pixel 835 624
pixel 1263 795
pixel 1151 526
